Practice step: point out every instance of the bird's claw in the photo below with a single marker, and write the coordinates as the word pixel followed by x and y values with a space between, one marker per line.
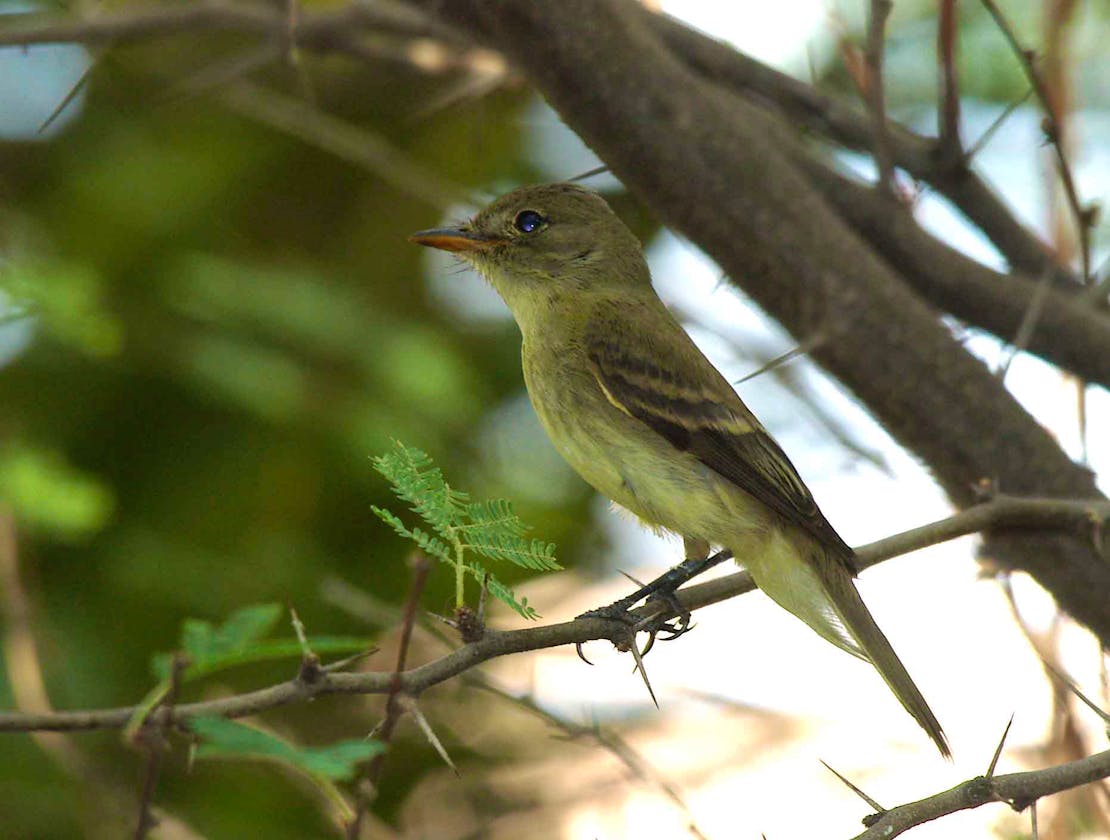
pixel 654 624
pixel 581 655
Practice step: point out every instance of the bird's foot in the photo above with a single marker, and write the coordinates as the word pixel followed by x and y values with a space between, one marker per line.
pixel 665 618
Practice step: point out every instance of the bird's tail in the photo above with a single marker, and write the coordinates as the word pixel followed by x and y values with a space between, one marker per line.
pixel 857 619
pixel 815 582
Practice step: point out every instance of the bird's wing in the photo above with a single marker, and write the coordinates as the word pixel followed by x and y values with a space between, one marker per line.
pixel 673 389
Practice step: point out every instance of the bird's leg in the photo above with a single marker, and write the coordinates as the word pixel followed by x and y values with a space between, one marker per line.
pixel 663 588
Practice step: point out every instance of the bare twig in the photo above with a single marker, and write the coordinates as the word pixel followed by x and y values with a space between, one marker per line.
pixel 350 143
pixel 152 738
pixel 949 117
pixel 876 93
pixel 1002 513
pixel 830 117
pixel 1053 130
pixel 393 707
pixel 1019 790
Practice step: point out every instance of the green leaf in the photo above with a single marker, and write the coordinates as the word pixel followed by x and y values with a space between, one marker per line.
pixel 239 641
pixel 222 738
pixel 392 520
pixel 47 492
pixel 534 554
pixel 265 651
pixel 418 481
pixel 503 593
pixel 490 528
pixel 67 300
pixel 201 641
pixel 495 513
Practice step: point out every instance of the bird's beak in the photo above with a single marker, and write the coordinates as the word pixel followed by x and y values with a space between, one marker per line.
pixel 454 239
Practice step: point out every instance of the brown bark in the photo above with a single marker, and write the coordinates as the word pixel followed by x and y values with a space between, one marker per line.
pixel 710 163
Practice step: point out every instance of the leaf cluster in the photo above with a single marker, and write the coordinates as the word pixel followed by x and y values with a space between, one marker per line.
pixel 461 528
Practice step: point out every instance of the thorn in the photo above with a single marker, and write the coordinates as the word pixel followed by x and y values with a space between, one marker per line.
pixel 340 664
pixel 634 580
pixel 589 173
pixel 302 637
pixel 450 622
pixel 643 673
pixel 879 809
pixel 581 655
pixel 482 599
pixel 421 721
pixel 998 751
pixel 1074 689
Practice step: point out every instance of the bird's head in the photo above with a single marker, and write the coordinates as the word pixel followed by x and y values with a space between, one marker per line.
pixel 539 244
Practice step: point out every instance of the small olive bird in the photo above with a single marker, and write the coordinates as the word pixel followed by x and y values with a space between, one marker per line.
pixel 644 417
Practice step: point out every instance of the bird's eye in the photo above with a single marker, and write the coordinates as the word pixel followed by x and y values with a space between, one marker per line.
pixel 528 221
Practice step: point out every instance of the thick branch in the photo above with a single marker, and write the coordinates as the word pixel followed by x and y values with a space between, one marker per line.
pixel 834 118
pixel 1069 332
pixel 710 59
pixel 1016 789
pixel 714 167
pixel 1067 517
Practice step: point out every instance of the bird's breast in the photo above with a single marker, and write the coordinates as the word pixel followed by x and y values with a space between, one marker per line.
pixel 621 457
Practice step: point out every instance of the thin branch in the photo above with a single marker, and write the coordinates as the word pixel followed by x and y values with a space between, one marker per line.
pixel 1019 790
pixel 833 118
pixel 145 24
pixel 1069 332
pixel 1053 129
pixel 337 31
pixel 346 141
pixel 876 93
pixel 949 116
pixel 421 565
pixel 1002 513
pixel 152 738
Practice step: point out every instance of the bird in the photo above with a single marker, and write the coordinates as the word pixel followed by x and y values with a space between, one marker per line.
pixel 638 411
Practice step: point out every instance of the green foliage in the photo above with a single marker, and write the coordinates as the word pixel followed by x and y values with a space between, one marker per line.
pixel 323 766
pixel 47 493
pixel 489 528
pixel 223 738
pixel 241 640
pixel 66 300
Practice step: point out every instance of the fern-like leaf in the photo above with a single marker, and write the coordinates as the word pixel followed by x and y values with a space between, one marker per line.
pixel 529 554
pixel 490 529
pixel 501 592
pixel 496 513
pixel 417 480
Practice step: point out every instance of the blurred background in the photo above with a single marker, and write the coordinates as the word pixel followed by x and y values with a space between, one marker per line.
pixel 210 321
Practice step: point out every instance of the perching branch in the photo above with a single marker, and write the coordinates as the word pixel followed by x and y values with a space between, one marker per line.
pixel 1076 518
pixel 1019 790
pixel 724 175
